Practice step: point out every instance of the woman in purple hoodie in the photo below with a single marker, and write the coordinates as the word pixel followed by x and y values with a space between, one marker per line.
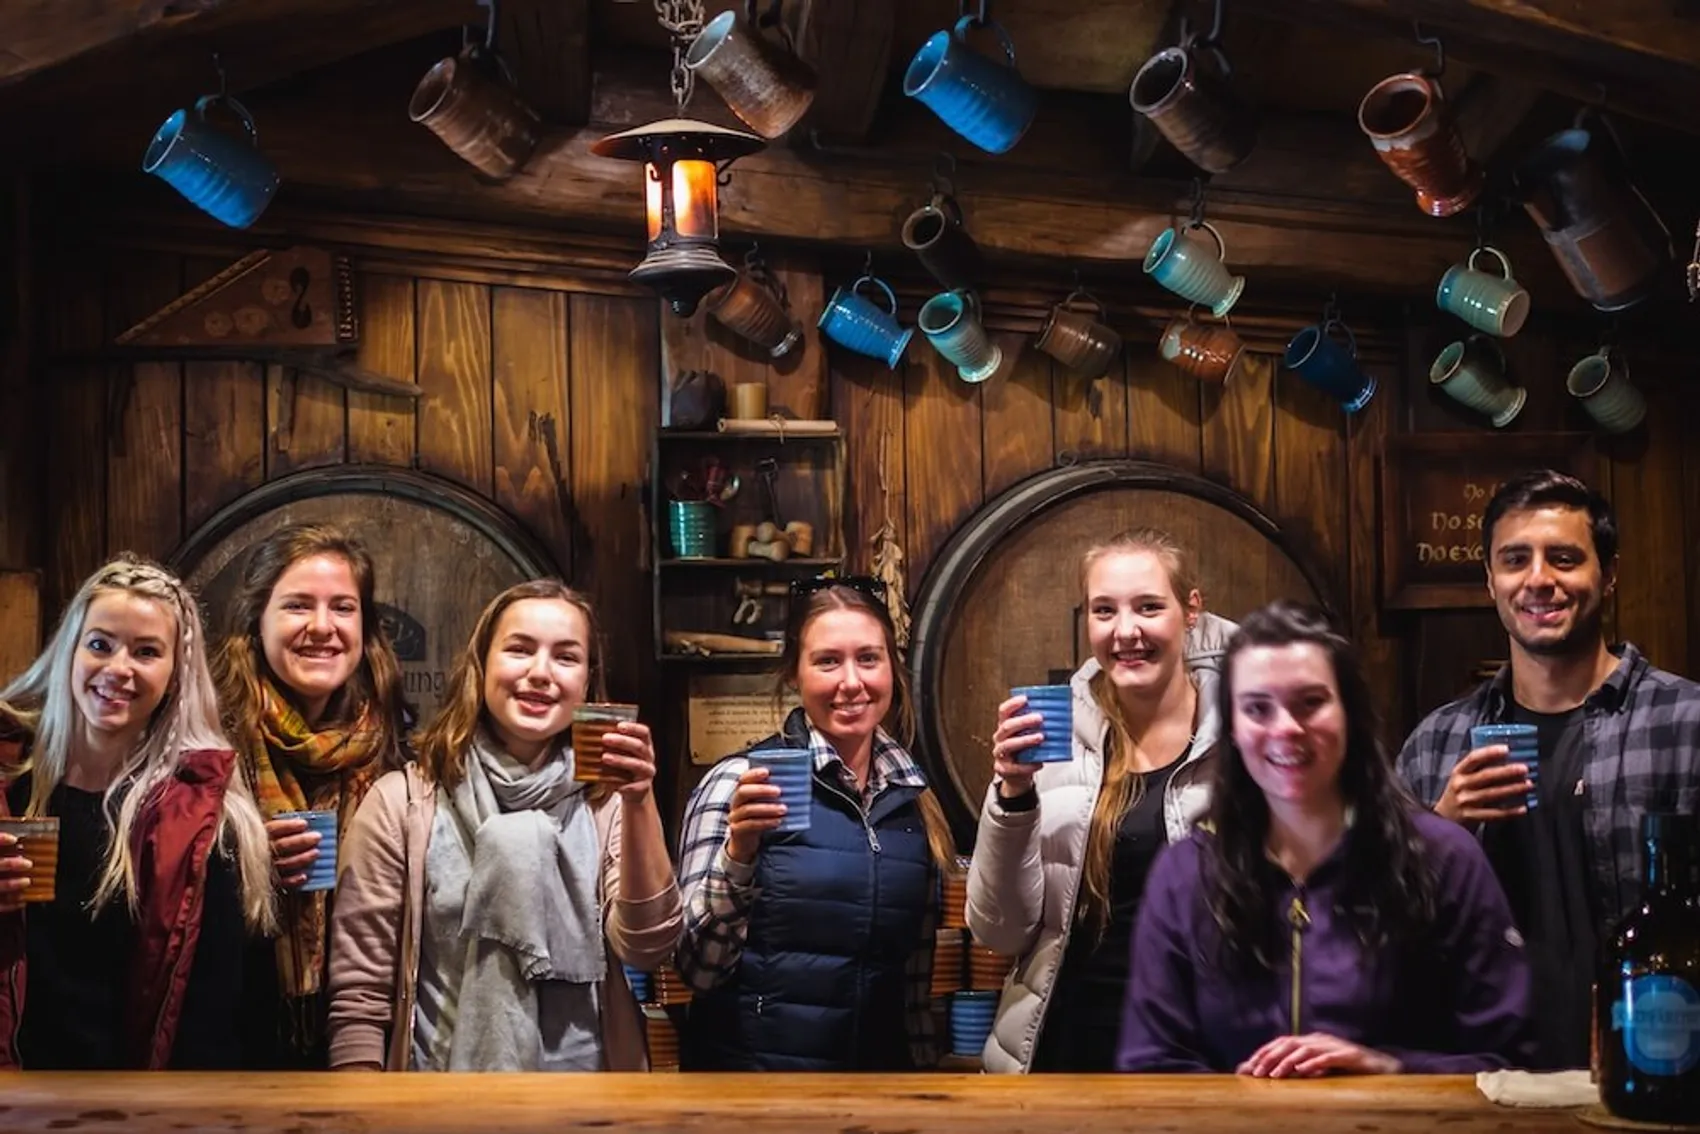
pixel 1318 921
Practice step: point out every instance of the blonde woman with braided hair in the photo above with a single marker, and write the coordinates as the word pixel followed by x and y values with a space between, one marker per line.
pixel 164 867
pixel 1063 849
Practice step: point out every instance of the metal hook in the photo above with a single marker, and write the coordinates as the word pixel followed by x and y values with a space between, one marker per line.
pixel 1331 309
pixel 944 174
pixel 868 263
pixel 223 80
pixel 1434 42
pixel 1197 203
pixel 1190 39
pixel 490 24
pixel 979 15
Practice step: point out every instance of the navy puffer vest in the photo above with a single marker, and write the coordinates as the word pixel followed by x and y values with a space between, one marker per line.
pixel 839 910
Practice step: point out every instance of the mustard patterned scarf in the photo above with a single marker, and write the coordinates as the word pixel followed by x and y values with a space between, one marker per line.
pixel 298 768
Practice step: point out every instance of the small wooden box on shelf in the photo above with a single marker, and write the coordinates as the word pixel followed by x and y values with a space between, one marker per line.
pixel 761 510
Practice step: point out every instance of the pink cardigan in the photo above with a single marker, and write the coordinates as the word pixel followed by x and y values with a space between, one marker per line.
pixel 374 962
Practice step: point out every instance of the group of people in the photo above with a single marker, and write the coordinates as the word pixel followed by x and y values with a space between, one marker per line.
pixel 1231 873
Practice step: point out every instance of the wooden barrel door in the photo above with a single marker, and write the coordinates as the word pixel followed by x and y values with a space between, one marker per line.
pixel 1000 606
pixel 440 554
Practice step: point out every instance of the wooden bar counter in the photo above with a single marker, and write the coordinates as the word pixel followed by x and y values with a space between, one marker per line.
pixel 783 1104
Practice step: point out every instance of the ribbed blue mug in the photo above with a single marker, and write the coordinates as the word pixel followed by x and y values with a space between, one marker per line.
pixel 1523 744
pixel 951 322
pixel 792 771
pixel 1055 703
pixel 225 176
pixel 852 320
pixel 691 524
pixel 1329 365
pixel 321 875
pixel 639 982
pixel 971 1016
pixel 985 101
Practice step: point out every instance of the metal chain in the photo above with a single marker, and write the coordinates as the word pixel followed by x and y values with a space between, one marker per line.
pixel 683 20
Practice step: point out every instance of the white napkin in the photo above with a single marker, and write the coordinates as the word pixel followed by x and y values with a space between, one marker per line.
pixel 1538 1089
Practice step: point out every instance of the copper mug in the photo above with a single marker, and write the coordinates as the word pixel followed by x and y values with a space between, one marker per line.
pixel 1195 108
pixel 750 308
pixel 1209 354
pixel 763 83
pixel 1074 334
pixel 1407 119
pixel 934 232
pixel 470 101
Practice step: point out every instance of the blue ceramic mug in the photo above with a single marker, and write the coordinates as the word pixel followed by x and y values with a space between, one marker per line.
pixel 792 771
pixel 985 101
pixel 852 320
pixel 223 175
pixel 1182 261
pixel 1330 366
pixel 951 322
pixel 321 875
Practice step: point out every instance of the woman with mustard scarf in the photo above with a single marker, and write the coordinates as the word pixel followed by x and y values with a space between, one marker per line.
pixel 311 694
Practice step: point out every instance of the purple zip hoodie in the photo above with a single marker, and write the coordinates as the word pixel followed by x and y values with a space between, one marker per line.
pixel 1453 1001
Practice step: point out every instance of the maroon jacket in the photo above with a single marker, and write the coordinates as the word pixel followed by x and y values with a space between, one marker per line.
pixel 171 842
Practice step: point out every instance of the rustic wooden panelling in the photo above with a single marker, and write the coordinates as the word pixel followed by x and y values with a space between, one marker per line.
pixel 867 403
pixel 1164 414
pixel 1016 426
pixel 224 425
pixel 144 467
pixel 71 319
pixel 306 421
pixel 533 418
pixel 1090 415
pixel 1239 429
pixel 1366 436
pixel 454 375
pixel 1652 556
pixel 382 429
pixel 613 370
pixel 942 445
pixel 1310 496
pixel 20 621
pixel 20 425
pixel 798 383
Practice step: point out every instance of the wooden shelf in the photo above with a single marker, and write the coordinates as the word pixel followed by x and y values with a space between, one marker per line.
pixel 752 561
pixel 718 659
pixel 716 435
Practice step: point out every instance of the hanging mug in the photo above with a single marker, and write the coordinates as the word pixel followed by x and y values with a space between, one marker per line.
pixel 1194 108
pixel 1209 354
pixel 1075 335
pixel 1472 373
pixel 751 309
pixel 1497 305
pixel 1183 262
pixel 1330 366
pixel 223 175
pixel 764 84
pixel 1601 383
pixel 985 101
pixel 951 322
pixel 934 232
pixel 852 320
pixel 471 102
pixel 1409 124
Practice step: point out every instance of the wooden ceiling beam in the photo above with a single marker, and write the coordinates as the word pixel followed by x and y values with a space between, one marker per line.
pixel 38 34
pixel 1633 57
pixel 547 44
pixel 849 46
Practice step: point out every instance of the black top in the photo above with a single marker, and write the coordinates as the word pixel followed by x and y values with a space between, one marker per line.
pixel 1083 1021
pixel 1541 859
pixel 78 962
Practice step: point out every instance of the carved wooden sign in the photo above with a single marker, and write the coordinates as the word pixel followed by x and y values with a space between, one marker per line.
pixel 1434 488
pixel 299 297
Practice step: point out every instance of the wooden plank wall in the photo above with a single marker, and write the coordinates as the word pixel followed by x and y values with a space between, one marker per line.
pixel 542 397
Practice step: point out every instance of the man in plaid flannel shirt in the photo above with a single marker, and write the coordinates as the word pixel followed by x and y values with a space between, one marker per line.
pixel 1618 738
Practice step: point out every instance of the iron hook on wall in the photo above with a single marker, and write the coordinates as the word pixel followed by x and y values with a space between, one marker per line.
pixel 1433 41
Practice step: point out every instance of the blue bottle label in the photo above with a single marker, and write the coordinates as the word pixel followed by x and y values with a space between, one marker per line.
pixel 1659 1017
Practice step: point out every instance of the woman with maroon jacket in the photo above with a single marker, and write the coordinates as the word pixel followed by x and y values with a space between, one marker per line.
pixel 163 865
pixel 1319 921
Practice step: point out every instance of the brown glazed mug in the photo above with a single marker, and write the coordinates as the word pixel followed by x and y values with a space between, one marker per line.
pixel 1209 354
pixel 1195 108
pixel 934 232
pixel 470 102
pixel 763 83
pixel 1075 335
pixel 749 307
pixel 1407 119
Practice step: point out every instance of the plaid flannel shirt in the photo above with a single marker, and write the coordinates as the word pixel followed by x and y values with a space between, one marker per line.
pixel 718 891
pixel 1642 753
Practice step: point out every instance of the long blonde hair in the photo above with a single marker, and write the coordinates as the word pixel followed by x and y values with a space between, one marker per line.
pixel 1120 789
pixel 41 702
pixel 900 718
pixel 443 745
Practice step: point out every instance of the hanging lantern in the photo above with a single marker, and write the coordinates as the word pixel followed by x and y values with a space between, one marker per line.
pixel 682 160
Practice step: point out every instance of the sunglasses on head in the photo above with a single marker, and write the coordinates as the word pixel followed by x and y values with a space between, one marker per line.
pixel 866 584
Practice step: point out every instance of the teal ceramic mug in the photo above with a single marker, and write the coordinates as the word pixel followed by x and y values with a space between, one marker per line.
pixel 1472 372
pixel 1182 260
pixel 1601 383
pixel 951 322
pixel 1494 305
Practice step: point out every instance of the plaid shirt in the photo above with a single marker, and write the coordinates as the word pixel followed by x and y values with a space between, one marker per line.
pixel 719 891
pixel 1642 753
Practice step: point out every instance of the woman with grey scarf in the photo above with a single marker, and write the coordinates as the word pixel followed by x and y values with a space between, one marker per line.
pixel 487 898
